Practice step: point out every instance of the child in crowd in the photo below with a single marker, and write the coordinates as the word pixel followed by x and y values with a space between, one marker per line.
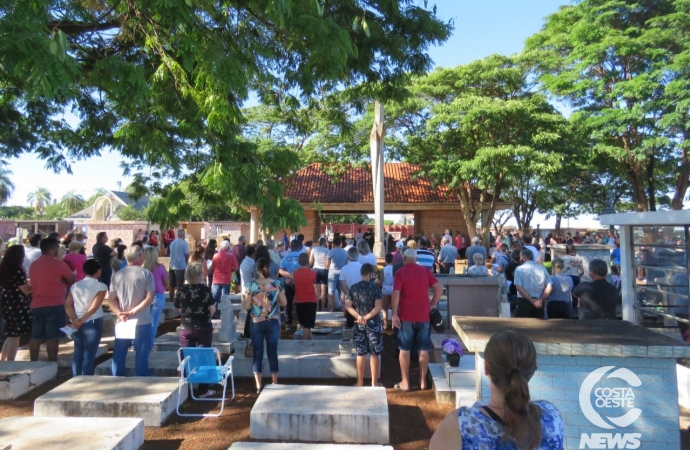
pixel 558 305
pixel 364 304
pixel 305 295
pixel 386 289
pixel 478 269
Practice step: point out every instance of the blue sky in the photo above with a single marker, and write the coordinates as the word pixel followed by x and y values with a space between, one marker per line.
pixel 481 28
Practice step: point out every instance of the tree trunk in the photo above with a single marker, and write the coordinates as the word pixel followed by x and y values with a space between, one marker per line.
pixel 651 188
pixel 468 208
pixel 558 224
pixel 682 182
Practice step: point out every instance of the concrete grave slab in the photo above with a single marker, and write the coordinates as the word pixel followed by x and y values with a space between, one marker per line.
pixel 152 399
pixel 20 377
pixel 321 413
pixel 170 312
pixel 58 433
pixel 65 354
pixel 161 364
pixel 297 446
pixel 170 342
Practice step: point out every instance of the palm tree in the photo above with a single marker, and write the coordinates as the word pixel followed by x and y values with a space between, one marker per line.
pixel 39 199
pixel 72 202
pixel 6 186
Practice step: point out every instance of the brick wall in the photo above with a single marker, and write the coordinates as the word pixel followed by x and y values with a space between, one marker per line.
pixel 436 221
pixel 559 379
pixel 312 231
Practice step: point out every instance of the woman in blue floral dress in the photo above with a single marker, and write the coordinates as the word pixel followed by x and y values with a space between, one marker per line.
pixel 16 309
pixel 510 421
pixel 264 296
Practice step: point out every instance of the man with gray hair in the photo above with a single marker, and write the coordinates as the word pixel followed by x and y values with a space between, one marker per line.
pixel 179 250
pixel 533 284
pixel 275 257
pixel 476 247
pixel 411 309
pixel 447 255
pixel 597 299
pixel 131 294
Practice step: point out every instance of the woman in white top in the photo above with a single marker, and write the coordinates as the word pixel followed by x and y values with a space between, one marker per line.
pixel 83 308
pixel 317 260
pixel 365 254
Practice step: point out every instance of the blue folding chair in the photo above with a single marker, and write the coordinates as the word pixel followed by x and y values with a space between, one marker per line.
pixel 201 365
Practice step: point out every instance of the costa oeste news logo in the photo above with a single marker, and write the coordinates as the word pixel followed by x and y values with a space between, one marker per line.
pixel 610 398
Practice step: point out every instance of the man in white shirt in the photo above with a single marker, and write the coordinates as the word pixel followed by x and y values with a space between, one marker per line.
pixel 533 284
pixel 527 243
pixel 33 252
pixel 349 243
pixel 359 236
pixel 350 274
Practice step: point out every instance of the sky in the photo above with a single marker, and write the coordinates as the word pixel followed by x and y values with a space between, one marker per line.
pixel 482 28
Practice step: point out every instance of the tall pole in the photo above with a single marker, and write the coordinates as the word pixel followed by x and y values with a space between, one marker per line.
pixel 378 132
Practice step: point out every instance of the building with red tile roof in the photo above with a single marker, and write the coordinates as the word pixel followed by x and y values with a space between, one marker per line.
pixel 435 208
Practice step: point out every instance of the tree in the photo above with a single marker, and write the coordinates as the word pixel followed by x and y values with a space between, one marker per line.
pixel 54 211
pixel 501 218
pixel 163 82
pixel 622 65
pixel 129 213
pixel 39 199
pixel 6 185
pixel 477 129
pixel 359 219
pixel 72 202
pixel 17 212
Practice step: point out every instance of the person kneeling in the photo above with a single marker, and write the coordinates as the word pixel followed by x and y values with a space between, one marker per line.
pixel 364 304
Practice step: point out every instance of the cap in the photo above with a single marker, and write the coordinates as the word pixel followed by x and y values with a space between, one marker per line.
pixel 399 244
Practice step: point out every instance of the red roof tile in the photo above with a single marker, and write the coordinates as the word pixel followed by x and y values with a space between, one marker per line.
pixel 311 184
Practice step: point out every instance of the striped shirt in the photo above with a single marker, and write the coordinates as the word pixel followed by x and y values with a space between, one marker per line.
pixel 426 258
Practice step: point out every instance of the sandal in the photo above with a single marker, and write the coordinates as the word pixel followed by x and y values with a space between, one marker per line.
pixel 397 387
pixel 208 394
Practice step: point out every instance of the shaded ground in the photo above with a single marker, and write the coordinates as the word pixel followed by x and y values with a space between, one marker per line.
pixel 413 415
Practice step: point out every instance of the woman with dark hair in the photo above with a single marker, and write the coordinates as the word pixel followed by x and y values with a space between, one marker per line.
pixel 262 252
pixel 119 262
pixel 83 306
pixel 510 420
pixel 573 267
pixel 14 288
pixel 264 297
pixel 208 259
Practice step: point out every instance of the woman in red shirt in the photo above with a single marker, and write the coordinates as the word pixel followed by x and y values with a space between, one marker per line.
pixel 305 295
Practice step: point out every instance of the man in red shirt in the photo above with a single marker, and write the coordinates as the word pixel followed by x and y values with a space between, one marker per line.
pixel 305 294
pixel 50 278
pixel 224 264
pixel 411 308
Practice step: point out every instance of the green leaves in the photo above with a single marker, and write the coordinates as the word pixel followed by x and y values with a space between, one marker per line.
pixel 58 44
pixel 365 27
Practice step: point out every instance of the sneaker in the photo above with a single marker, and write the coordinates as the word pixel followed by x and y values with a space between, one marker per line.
pixel 208 394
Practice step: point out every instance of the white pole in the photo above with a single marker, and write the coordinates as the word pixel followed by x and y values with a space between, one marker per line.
pixel 376 147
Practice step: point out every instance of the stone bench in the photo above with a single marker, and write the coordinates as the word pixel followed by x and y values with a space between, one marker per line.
pixel 298 446
pixel 161 364
pixel 303 359
pixel 19 377
pixel 152 399
pixel 170 342
pixel 170 312
pixel 321 414
pixel 59 433
pixel 65 354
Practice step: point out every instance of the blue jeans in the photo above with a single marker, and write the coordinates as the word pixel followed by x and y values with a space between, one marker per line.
pixel 334 288
pixel 219 290
pixel 269 330
pixel 86 342
pixel 142 343
pixel 156 311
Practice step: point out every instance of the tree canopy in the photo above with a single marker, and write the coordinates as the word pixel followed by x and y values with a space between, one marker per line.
pixel 164 82
pixel 623 66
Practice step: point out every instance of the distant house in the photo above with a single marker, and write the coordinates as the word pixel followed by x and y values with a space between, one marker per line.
pixel 106 206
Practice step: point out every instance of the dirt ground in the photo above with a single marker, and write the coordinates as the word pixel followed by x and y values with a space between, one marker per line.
pixel 413 415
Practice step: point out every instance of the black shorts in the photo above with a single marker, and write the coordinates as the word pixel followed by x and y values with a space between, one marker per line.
pixel 369 338
pixel 306 314
pixel 321 276
pixel 176 278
